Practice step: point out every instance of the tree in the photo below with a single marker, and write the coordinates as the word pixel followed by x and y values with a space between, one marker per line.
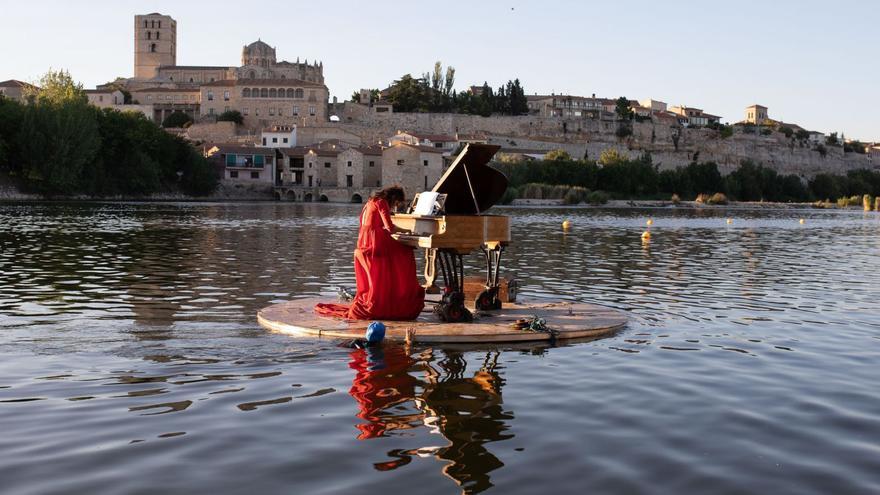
pixel 622 109
pixel 176 119
pixel 408 94
pixel 557 155
pixel 832 140
pixel 231 116
pixel 57 87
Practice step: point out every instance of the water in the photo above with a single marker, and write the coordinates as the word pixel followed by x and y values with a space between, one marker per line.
pixel 132 362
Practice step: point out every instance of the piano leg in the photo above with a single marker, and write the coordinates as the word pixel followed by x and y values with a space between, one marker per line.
pixel 431 271
pixel 451 307
pixel 488 299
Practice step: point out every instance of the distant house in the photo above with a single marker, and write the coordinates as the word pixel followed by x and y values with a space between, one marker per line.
pixel 653 105
pixel 245 163
pixel 694 116
pixel 566 106
pixel 478 138
pixel 756 114
pixel 416 168
pixel 279 136
pixel 443 142
pixel 105 98
pixel 816 137
pixel 15 89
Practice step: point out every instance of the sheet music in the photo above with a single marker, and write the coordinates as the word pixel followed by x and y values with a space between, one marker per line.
pixel 426 204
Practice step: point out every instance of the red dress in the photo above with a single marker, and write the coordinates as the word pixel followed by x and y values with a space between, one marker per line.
pixel 385 270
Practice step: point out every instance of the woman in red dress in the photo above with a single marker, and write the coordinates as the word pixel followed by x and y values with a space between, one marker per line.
pixel 385 270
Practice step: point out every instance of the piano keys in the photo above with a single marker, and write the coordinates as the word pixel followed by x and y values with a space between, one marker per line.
pixel 460 228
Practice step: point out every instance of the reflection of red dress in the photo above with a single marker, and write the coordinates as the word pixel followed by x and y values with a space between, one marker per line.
pixel 385 270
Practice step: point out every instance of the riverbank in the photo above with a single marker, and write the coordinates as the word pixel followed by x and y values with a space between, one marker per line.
pixel 223 193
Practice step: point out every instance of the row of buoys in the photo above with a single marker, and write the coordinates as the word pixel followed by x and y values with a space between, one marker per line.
pixel 646 235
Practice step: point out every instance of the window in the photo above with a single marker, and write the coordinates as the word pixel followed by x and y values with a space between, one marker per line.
pixel 372 163
pixel 210 111
pixel 160 27
pixel 245 111
pixel 210 96
pixel 425 162
pixel 226 108
pixel 400 162
pixel 290 93
pixel 100 98
pixel 272 111
pixel 274 139
pixel 246 92
pixel 298 93
pixel 310 164
pixel 257 112
pixel 295 110
pixel 146 24
pixel 440 145
pixel 284 140
pixel 311 110
pixel 233 174
pixel 153 50
pixel 255 175
pixel 349 180
pixel 326 164
pixel 349 163
pixel 226 95
pixel 157 34
pixel 264 93
pixel 378 183
pixel 264 141
pixel 149 35
pixel 426 183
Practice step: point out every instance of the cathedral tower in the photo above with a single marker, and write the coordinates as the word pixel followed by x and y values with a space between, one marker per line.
pixel 155 44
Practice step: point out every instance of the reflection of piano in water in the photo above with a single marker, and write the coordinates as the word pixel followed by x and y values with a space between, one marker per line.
pixel 466 410
pixel 458 226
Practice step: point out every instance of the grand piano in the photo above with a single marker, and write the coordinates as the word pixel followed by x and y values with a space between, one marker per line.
pixel 457 226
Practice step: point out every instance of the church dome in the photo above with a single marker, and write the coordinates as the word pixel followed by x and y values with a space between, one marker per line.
pixel 259 47
pixel 258 53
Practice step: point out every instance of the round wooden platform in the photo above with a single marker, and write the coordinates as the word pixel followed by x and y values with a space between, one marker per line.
pixel 567 320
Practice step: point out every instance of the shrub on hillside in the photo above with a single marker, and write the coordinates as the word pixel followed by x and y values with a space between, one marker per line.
pixel 597 198
pixel 231 116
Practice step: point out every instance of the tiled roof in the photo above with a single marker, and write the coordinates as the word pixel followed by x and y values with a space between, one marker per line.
pixel 222 82
pixel 15 83
pixel 424 149
pixel 193 67
pixel 244 150
pixel 165 90
pixel 429 137
pixel 370 150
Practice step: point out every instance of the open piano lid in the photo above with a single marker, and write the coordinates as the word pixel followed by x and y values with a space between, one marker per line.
pixel 470 185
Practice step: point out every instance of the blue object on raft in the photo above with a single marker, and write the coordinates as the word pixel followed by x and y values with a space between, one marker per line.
pixel 375 332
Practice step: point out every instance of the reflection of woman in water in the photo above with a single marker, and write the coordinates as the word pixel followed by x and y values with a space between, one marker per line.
pixel 385 270
pixel 466 410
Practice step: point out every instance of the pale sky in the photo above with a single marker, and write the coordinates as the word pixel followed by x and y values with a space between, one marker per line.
pixel 814 63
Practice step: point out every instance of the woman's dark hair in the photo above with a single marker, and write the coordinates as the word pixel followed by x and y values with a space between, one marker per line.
pixel 391 194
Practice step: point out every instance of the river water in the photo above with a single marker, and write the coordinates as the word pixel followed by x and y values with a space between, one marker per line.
pixel 131 361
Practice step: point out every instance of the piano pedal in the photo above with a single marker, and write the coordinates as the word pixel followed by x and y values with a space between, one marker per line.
pixel 488 300
pixel 432 289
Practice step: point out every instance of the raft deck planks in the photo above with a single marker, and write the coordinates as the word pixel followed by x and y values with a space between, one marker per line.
pixel 568 319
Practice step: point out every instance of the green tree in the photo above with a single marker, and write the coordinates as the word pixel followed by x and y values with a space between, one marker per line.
pixel 57 87
pixel 622 109
pixel 409 94
pixel 177 119
pixel 231 116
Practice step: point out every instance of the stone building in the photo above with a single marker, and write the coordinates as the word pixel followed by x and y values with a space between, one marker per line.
pixel 415 168
pixel 165 101
pixel 155 44
pixel 265 90
pixel 756 114
pixel 105 98
pixel 16 90
pixel 246 164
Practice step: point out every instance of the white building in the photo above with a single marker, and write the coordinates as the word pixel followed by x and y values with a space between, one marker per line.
pixel 279 136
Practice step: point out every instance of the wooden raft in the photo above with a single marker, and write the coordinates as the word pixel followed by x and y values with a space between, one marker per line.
pixel 568 320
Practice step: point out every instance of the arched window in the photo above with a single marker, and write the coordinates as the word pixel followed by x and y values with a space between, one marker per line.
pixel 152 23
pixel 157 34
pixel 149 35
pixel 283 76
pixel 290 93
pixel 190 79
pixel 264 93
pixel 252 75
pixel 153 47
pixel 281 92
pixel 246 92
pixel 273 93
pixel 299 93
pixel 160 24
pixel 146 24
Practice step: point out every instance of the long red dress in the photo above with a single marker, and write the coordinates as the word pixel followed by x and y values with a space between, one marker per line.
pixel 385 271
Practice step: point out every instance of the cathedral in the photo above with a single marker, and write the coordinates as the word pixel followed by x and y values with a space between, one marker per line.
pixel 263 89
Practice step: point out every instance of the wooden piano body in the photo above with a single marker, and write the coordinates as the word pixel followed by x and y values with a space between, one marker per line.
pixel 469 187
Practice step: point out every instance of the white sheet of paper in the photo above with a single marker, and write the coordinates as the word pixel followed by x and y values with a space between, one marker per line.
pixel 425 204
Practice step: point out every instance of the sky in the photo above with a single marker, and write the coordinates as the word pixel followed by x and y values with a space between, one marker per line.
pixel 812 63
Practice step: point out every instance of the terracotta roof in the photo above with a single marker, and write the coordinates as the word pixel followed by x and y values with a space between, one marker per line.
pixel 424 149
pixel 194 67
pixel 295 151
pixel 371 150
pixel 222 82
pixel 165 90
pixel 15 83
pixel 431 137
pixel 271 82
pixel 238 149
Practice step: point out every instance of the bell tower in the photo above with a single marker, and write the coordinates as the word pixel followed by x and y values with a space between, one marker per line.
pixel 155 44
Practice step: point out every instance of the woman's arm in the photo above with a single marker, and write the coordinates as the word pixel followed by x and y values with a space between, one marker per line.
pixel 385 213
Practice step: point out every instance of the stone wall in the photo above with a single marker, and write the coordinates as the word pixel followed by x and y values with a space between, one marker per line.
pixel 671 146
